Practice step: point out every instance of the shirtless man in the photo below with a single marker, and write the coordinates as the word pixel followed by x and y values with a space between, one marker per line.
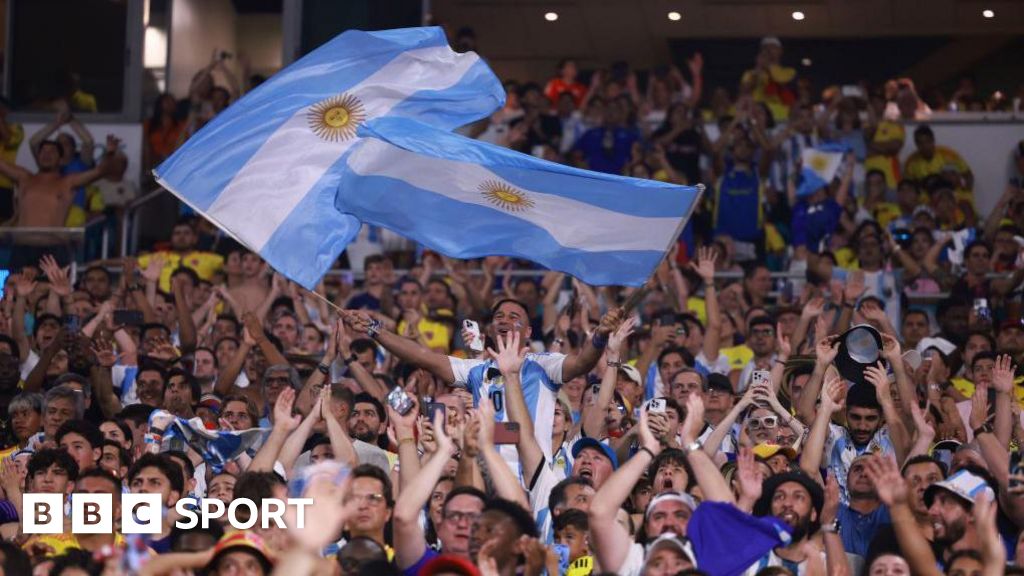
pixel 43 200
pixel 253 284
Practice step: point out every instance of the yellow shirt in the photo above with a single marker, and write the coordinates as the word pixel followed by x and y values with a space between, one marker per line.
pixel 918 168
pixel 581 566
pixel 9 150
pixel 82 101
pixel 61 543
pixel 437 334
pixel 889 165
pixel 738 356
pixel 885 212
pixel 699 309
pixel 205 264
pixel 966 388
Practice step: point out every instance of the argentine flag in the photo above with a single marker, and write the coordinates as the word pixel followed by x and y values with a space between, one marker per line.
pixel 468 199
pixel 819 167
pixel 266 169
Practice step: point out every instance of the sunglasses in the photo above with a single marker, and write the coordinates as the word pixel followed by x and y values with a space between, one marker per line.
pixel 764 422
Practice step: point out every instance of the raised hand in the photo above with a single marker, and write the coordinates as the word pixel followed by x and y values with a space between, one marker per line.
pixel 833 396
pixel 826 349
pixel 782 344
pixel 621 334
pixel 57 276
pixel 694 421
pixel 889 483
pixel 155 268
pixel 979 406
pixel 510 356
pixel 103 349
pixel 610 321
pixel 831 507
pixel 877 375
pixel 1002 374
pixel 814 308
pixel 749 475
pixel 24 283
pixel 283 417
pixel 872 311
pixel 891 349
pixel 992 551
pixel 855 287
pixel 707 257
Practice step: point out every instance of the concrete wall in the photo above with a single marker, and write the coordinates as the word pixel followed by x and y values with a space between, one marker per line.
pixel 198 28
pixel 258 38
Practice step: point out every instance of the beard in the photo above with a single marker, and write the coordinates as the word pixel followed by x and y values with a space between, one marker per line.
pixel 952 532
pixel 801 528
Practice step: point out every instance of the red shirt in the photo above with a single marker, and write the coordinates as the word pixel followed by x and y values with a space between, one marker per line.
pixel 556 86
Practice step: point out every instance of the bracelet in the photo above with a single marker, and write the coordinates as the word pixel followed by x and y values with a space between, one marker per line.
pixel 409 440
pixel 613 363
pixel 350 359
pixel 558 341
pixel 848 305
pixel 985 428
pixel 599 341
pixel 648 450
pixel 323 368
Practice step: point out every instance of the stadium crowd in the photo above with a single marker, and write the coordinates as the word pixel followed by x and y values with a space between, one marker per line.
pixel 489 417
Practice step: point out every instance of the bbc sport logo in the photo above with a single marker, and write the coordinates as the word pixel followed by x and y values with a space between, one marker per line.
pixel 143 513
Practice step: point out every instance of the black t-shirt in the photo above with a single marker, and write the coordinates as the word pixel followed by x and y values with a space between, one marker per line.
pixel 683 153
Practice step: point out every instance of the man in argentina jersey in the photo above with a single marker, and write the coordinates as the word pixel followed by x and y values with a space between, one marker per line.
pixel 541 375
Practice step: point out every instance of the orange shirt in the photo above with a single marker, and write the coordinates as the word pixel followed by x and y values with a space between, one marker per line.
pixel 164 140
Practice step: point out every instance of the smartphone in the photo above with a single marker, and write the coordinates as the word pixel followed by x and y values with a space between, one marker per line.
pixel 128 317
pixel 667 319
pixel 400 401
pixel 506 432
pixel 851 91
pixel 478 343
pixel 656 406
pixel 1016 469
pixel 760 378
pixel 73 323
pixel 981 309
pixel 433 408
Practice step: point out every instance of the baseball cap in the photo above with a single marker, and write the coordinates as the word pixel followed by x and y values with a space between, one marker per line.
pixel 765 451
pixel 718 381
pixel 243 541
pixel 1011 323
pixel 587 442
pixel 763 507
pixel 964 485
pixel 631 372
pixel 669 541
pixel 448 563
pixel 940 344
pixel 761 319
pixel 681 497
pixel 771 41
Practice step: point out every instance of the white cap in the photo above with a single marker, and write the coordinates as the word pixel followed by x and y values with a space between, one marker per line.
pixel 943 345
pixel 962 484
pixel 670 540
pixel 771 41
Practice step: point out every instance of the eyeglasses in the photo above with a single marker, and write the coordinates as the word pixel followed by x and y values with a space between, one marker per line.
pixel 458 517
pixel 372 499
pixel 716 392
pixel 764 422
pixel 763 332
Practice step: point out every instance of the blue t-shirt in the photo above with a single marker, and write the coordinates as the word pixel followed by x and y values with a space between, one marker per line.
pixel 607 149
pixel 813 223
pixel 76 166
pixel 857 530
pixel 738 204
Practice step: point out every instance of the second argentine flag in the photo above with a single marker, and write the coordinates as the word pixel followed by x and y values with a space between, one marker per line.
pixel 266 169
pixel 468 199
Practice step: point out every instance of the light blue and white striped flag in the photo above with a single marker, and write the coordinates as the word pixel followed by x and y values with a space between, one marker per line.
pixel 468 199
pixel 819 166
pixel 266 169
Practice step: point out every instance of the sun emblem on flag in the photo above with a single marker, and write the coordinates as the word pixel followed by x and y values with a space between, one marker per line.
pixel 819 163
pixel 504 196
pixel 336 118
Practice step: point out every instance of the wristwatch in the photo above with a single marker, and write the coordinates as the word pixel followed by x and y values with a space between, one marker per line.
pixel 692 447
pixel 350 359
pixel 985 428
pixel 613 363
pixel 832 528
pixel 324 369
pixel 374 328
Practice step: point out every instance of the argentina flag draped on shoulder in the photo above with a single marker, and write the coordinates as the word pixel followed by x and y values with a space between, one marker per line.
pixel 267 168
pixel 468 199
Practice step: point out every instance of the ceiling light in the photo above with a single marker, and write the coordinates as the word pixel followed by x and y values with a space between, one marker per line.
pixel 988 14
pixel 675 16
pixel 798 15
pixel 551 16
pixel 806 62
